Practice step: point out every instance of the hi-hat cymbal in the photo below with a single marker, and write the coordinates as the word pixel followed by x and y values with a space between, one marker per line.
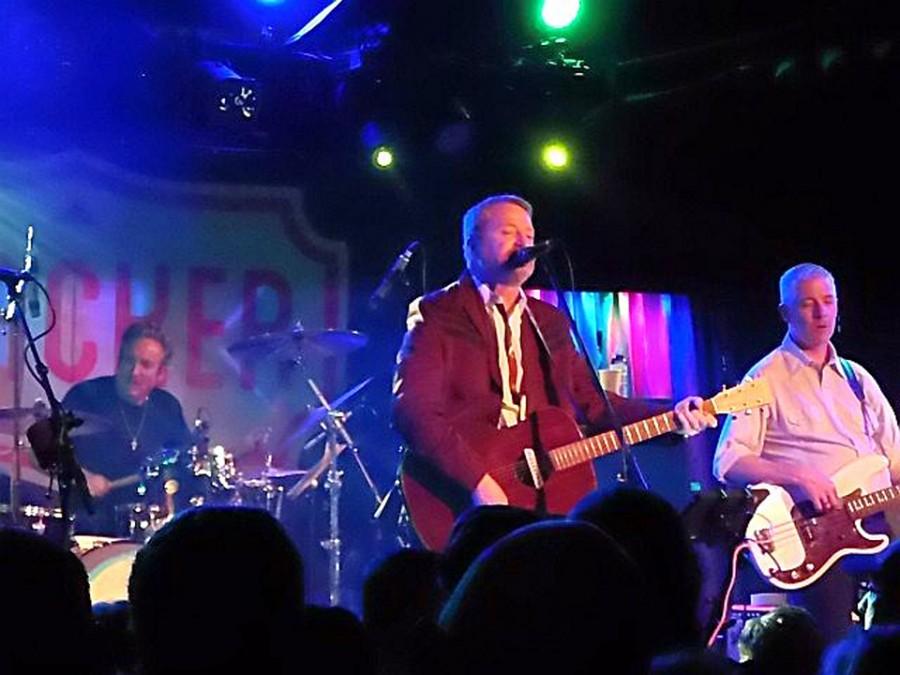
pixel 39 409
pixel 27 473
pixel 8 416
pixel 286 343
pixel 276 472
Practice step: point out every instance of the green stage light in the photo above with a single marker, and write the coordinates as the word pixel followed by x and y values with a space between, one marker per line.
pixel 558 14
pixel 383 158
pixel 555 156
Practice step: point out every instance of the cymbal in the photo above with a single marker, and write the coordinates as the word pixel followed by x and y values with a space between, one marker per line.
pixel 275 472
pixel 8 416
pixel 13 413
pixel 27 473
pixel 39 409
pixel 91 423
pixel 317 415
pixel 286 343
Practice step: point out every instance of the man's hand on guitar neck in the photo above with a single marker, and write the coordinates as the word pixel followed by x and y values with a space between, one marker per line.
pixel 488 491
pixel 691 417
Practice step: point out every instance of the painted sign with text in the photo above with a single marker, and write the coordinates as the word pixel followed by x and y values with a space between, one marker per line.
pixel 211 264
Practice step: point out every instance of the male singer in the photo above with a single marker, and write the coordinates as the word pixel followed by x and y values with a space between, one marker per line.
pixel 480 354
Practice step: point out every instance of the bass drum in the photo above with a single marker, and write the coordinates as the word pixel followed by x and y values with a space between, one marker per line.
pixel 108 565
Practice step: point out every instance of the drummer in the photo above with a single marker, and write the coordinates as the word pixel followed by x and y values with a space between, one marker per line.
pixel 128 419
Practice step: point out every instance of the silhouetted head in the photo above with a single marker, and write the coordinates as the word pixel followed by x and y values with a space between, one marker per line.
pixel 216 587
pixel 476 530
pixel 551 597
pixel 46 618
pixel 402 590
pixel 786 640
pixel 652 533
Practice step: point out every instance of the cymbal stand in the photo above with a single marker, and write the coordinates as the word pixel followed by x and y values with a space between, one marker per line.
pixel 333 482
pixel 15 351
pixel 341 428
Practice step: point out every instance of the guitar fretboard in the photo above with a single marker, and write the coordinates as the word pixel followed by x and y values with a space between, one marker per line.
pixel 586 449
pixel 872 503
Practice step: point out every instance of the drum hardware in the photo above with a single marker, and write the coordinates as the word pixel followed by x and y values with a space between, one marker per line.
pixel 337 438
pixel 50 437
pixel 404 537
pixel 42 520
pixel 288 345
pixel 316 417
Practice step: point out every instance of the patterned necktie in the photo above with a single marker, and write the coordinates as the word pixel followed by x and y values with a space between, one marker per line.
pixel 510 354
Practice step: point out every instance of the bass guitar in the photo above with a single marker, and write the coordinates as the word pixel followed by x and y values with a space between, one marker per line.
pixel 792 546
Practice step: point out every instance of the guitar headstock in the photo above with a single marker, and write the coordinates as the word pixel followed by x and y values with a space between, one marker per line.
pixel 750 394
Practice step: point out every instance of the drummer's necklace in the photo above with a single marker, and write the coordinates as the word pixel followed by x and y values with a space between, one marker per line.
pixel 137 432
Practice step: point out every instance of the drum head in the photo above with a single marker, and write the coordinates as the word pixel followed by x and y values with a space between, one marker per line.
pixel 109 567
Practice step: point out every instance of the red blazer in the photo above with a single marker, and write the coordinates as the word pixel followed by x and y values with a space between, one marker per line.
pixel 447 385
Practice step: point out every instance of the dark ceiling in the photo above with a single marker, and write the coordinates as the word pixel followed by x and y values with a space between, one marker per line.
pixel 717 141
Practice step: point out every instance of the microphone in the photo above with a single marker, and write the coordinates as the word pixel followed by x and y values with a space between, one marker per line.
pixel 387 282
pixel 528 253
pixel 13 277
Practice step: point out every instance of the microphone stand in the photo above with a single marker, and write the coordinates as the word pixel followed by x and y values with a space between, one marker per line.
pixel 631 473
pixel 69 475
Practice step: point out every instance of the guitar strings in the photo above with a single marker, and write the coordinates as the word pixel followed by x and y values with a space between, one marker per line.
pixel 788 530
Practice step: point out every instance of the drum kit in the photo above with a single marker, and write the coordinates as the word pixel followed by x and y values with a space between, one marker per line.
pixel 204 474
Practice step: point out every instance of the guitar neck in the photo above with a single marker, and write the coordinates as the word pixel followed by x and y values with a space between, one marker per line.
pixel 586 449
pixel 874 502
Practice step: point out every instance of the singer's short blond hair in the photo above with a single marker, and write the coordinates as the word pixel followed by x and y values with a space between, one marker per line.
pixel 472 218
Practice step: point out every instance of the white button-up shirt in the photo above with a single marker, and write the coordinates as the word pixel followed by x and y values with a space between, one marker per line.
pixel 816 418
pixel 512 411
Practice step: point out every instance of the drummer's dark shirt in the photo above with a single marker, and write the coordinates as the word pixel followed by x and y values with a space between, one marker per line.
pixel 106 448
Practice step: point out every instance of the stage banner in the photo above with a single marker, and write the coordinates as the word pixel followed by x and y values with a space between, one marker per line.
pixel 211 263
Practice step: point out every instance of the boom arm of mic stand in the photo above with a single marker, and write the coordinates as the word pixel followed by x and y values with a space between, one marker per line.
pixel 629 463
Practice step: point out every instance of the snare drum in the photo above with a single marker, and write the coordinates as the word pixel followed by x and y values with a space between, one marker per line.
pixel 108 564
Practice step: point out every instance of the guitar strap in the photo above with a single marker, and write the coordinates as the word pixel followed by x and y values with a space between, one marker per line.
pixel 856 386
pixel 546 358
pixel 850 374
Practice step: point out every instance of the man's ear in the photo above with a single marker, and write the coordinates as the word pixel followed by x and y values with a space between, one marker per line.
pixel 162 376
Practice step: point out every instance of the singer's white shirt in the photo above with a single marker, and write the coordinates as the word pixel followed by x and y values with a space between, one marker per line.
pixel 511 413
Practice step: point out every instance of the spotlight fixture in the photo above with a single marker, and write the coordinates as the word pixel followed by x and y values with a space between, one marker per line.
pixel 555 156
pixel 383 158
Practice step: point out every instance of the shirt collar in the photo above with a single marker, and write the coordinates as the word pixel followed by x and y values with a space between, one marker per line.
pixel 799 357
pixel 488 297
